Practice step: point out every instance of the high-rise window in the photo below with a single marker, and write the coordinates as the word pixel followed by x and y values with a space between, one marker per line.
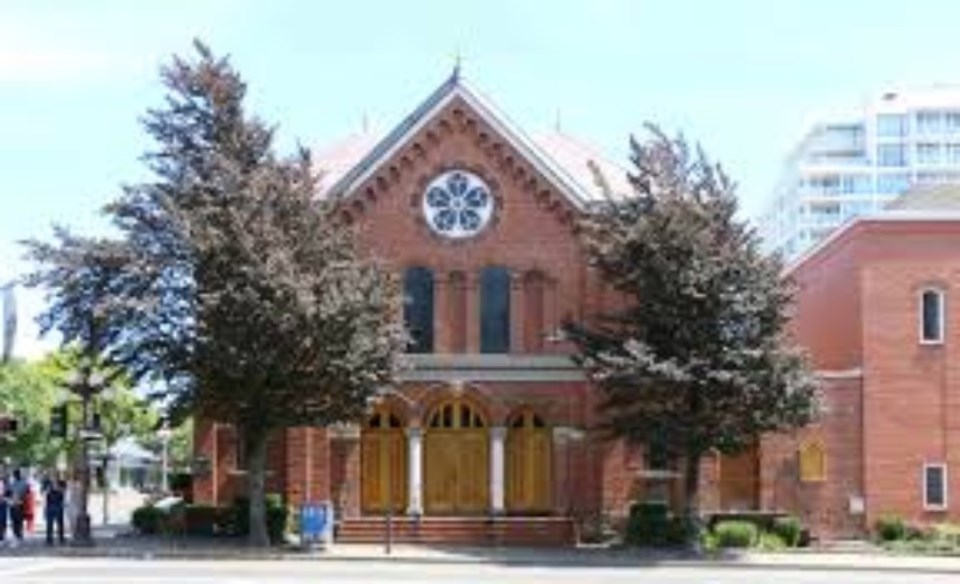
pixel 953 153
pixel 929 123
pixel 891 125
pixel 931 316
pixel 892 183
pixel 495 310
pixel 928 153
pixel 891 155
pixel 418 309
pixel 952 122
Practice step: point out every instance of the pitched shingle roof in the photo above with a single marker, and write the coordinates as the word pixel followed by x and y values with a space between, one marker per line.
pixel 571 164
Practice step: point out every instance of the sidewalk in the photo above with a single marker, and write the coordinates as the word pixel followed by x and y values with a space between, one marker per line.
pixel 113 545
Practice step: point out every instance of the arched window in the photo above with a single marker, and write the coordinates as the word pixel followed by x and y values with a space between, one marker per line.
pixel 494 310
pixel 456 414
pixel 534 285
pixel 418 309
pixel 813 462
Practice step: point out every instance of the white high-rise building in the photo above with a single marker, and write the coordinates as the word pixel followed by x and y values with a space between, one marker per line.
pixel 853 164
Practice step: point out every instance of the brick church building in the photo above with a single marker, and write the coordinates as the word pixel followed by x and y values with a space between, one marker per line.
pixel 490 435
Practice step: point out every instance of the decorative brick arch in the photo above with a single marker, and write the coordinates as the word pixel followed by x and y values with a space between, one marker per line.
pixel 398 403
pixel 486 401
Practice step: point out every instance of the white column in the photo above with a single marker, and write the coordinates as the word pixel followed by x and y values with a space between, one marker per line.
pixel 415 474
pixel 498 436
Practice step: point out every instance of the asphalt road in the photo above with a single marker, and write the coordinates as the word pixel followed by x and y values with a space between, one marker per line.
pixel 107 571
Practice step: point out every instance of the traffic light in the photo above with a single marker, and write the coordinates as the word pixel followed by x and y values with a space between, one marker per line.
pixel 8 425
pixel 58 421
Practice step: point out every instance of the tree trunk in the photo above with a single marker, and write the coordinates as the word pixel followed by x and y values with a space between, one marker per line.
pixel 256 475
pixel 691 498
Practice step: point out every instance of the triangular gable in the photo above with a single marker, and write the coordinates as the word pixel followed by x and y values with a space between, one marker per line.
pixel 455 87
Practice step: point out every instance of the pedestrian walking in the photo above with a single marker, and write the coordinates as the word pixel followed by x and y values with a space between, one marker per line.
pixel 18 494
pixel 29 508
pixel 5 497
pixel 54 509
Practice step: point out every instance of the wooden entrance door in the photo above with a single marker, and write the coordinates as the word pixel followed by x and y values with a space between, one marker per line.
pixel 740 480
pixel 529 453
pixel 383 464
pixel 456 463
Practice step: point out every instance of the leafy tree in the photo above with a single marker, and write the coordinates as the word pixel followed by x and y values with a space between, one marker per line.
pixel 696 357
pixel 237 288
pixel 28 389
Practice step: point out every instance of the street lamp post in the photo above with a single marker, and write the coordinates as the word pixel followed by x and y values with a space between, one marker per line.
pixel 86 384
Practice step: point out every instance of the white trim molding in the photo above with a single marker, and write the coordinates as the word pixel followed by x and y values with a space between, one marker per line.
pixel 945 483
pixel 941 297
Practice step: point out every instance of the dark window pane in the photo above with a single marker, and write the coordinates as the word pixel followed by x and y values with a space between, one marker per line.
pixel 932 316
pixel 418 309
pixel 935 486
pixel 494 310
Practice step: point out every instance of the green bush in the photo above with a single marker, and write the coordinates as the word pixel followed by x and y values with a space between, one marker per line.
pixel 787 529
pixel 735 534
pixel 148 520
pixel 890 528
pixel 771 542
pixel 651 524
pixel 202 519
pixel 948 533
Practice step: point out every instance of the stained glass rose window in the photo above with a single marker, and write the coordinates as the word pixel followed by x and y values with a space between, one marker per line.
pixel 457 204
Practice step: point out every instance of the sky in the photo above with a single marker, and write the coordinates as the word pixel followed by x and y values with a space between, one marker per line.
pixel 742 77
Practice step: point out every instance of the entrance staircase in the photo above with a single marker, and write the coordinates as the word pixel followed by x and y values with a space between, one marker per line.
pixel 494 531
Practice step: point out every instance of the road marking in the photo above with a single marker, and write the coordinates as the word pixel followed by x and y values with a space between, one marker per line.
pixel 32 567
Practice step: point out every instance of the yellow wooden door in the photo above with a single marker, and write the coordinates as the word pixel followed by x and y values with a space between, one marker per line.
pixel 383 465
pixel 456 461
pixel 528 465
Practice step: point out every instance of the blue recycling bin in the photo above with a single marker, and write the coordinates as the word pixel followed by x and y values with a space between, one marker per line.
pixel 316 522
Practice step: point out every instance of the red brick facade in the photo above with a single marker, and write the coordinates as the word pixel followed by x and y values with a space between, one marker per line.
pixel 856 314
pixel 892 403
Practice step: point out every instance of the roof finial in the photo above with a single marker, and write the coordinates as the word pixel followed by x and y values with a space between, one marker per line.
pixel 557 122
pixel 365 123
pixel 457 62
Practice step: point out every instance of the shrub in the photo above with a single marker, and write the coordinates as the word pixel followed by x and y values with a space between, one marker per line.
pixel 202 520
pixel 651 524
pixel 148 520
pixel 735 534
pixel 948 533
pixel 771 542
pixel 787 529
pixel 890 528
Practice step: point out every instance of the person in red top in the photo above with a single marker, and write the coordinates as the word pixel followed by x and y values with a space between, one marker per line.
pixel 29 508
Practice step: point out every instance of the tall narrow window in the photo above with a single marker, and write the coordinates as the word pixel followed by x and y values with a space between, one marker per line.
pixel 494 310
pixel 533 312
pixel 935 487
pixel 931 316
pixel 418 309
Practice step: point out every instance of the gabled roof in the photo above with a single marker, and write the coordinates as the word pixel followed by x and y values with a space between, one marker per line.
pixel 569 165
pixel 883 216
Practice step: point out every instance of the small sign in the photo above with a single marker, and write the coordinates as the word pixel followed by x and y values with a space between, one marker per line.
pixel 316 522
pixel 857 505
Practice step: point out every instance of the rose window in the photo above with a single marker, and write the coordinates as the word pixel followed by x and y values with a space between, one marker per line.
pixel 457 204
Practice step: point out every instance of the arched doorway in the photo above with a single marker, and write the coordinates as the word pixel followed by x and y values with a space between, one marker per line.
pixel 383 463
pixel 528 468
pixel 456 464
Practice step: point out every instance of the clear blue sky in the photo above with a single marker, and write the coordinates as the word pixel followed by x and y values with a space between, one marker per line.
pixel 739 76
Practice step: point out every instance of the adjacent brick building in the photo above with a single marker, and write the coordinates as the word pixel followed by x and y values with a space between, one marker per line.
pixel 490 435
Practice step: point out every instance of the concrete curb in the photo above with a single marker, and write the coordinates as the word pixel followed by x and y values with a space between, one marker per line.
pixel 769 562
